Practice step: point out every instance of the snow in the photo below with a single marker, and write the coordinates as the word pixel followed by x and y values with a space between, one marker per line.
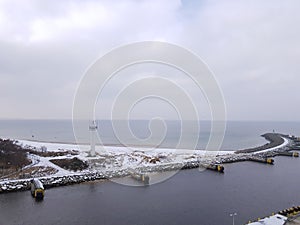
pixel 49 145
pixel 116 158
pixel 44 161
pixel 285 143
pixel 116 149
pixel 277 219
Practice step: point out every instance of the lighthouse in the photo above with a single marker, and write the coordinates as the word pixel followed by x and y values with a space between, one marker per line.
pixel 93 129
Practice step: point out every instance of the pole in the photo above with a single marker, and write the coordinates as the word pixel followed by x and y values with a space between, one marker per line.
pixel 233 215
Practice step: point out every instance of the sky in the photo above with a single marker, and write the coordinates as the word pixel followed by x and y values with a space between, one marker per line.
pixel 252 48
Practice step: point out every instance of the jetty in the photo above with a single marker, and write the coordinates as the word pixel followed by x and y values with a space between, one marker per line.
pixel 284 217
pixel 275 140
pixel 279 145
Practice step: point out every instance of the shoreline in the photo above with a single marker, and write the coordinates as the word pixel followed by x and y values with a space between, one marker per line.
pixel 188 161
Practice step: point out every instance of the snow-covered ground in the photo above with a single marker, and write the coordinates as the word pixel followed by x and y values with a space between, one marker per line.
pixel 112 162
pixel 113 158
pixel 50 146
pixel 112 149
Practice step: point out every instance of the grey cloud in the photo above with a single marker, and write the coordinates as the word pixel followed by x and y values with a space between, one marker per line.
pixel 252 47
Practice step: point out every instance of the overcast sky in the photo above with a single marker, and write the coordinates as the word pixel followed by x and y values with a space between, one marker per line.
pixel 253 48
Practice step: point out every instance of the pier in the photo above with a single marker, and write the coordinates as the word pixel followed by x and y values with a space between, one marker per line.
pixel 283 217
pixel 215 167
pixel 291 154
pixel 261 160
pixel 261 154
pixel 274 139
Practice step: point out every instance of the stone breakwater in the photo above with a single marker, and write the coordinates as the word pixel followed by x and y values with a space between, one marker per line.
pixel 274 139
pixel 55 181
pixel 49 182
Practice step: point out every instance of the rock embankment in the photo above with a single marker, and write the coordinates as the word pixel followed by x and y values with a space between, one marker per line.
pixel 48 182
pixel 274 141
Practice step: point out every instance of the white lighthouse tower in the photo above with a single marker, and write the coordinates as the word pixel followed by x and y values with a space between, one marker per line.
pixel 93 129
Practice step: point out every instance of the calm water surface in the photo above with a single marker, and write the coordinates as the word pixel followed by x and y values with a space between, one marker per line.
pixel 190 197
pixel 239 134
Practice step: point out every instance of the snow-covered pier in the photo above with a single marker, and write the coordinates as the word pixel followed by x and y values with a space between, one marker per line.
pixel 283 217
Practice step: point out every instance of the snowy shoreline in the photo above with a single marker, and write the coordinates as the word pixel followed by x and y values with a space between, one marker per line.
pixel 115 161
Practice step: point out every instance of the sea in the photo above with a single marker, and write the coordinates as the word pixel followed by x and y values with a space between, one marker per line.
pixel 251 190
pixel 238 134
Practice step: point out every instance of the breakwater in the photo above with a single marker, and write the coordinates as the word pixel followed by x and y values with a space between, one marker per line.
pixel 262 154
pixel 55 181
pixel 213 164
pixel 274 139
pixel 285 216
